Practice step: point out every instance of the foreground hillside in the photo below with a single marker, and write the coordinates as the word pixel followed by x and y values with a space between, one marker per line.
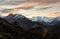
pixel 20 27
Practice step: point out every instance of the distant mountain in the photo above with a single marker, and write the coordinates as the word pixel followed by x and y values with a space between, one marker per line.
pixel 57 19
pixel 12 18
pixel 40 19
pixel 45 19
pixel 28 23
pixel 50 23
pixel 20 20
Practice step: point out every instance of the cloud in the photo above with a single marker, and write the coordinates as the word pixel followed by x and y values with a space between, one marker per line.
pixel 44 8
pixel 14 9
pixel 53 14
pixel 38 7
pixel 16 2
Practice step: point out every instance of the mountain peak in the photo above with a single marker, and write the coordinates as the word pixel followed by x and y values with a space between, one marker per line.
pixel 12 17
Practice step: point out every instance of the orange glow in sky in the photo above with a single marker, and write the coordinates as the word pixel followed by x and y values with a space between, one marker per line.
pixel 53 15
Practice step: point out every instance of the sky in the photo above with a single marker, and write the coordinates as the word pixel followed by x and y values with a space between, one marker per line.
pixel 30 8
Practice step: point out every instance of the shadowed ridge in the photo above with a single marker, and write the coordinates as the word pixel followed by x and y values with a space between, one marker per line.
pixel 3 21
pixel 38 31
pixel 9 31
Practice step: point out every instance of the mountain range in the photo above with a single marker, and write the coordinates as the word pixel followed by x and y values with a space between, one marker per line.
pixel 41 27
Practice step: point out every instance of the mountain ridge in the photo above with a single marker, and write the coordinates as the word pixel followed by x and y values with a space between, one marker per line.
pixel 20 27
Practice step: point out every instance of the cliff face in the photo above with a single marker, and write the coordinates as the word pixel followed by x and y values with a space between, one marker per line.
pixel 20 27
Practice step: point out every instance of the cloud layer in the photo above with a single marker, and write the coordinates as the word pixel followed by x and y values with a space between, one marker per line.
pixel 29 8
pixel 15 2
